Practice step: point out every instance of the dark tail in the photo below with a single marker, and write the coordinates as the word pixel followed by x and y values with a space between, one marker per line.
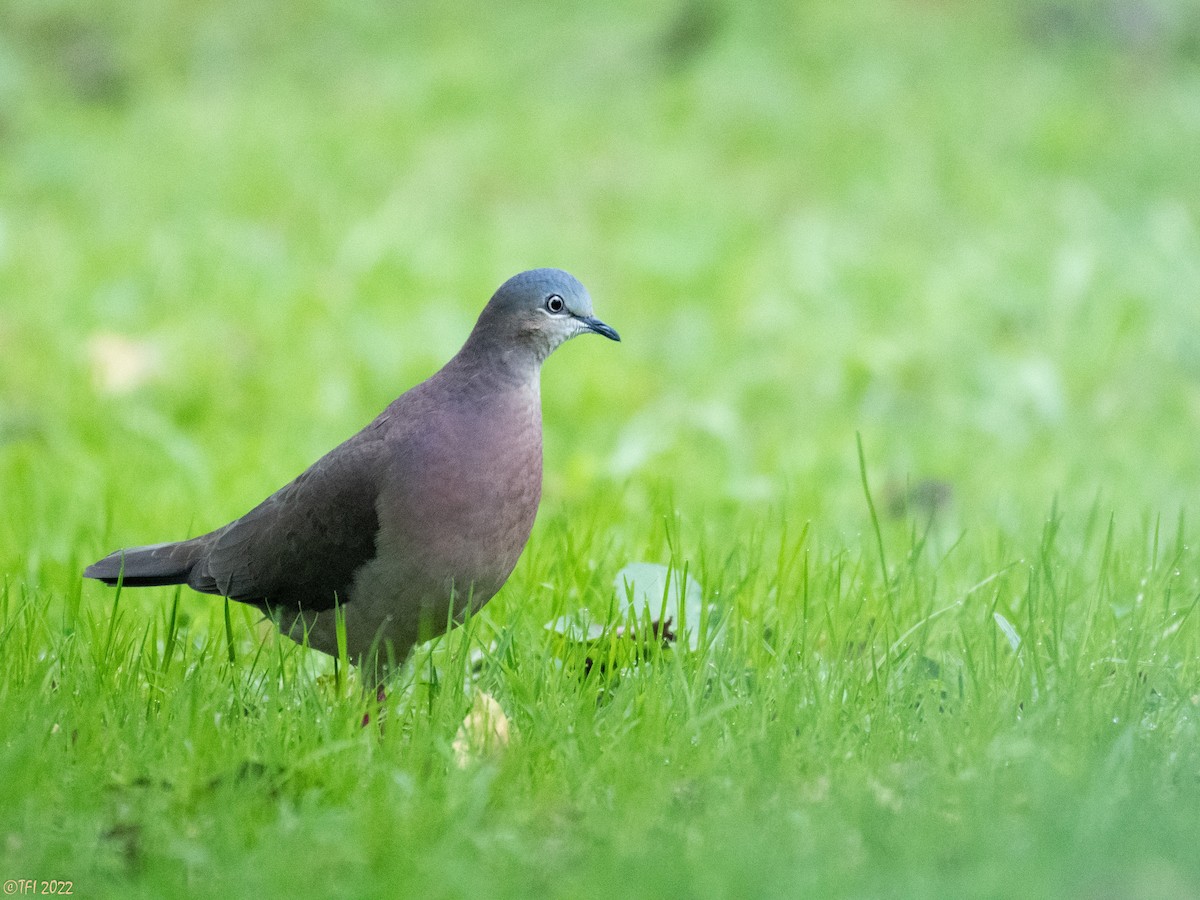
pixel 149 566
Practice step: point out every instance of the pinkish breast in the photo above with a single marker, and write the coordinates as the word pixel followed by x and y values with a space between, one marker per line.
pixel 467 518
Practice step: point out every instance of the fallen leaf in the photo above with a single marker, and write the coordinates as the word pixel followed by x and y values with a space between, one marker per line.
pixel 662 592
pixel 483 733
pixel 121 364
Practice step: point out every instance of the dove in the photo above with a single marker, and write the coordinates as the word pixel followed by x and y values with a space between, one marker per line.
pixel 414 521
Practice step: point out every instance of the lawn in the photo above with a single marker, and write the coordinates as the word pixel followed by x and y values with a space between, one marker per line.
pixel 908 401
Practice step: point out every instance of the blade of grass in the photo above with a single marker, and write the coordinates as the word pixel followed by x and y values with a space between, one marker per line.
pixel 862 470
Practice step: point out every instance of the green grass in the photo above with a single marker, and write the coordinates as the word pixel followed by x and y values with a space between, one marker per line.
pixel 968 233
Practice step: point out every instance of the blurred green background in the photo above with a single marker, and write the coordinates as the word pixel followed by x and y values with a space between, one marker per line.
pixel 230 233
pixel 967 230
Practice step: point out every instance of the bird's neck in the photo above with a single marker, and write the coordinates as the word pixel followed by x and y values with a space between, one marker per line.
pixel 505 363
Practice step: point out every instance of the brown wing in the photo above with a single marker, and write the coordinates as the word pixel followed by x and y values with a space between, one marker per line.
pixel 301 546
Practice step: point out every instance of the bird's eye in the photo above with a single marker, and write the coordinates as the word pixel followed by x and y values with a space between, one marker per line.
pixel 555 303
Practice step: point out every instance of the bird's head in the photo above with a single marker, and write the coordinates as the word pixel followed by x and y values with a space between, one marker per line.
pixel 536 311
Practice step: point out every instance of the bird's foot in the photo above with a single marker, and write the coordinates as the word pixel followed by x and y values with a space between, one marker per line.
pixel 380 699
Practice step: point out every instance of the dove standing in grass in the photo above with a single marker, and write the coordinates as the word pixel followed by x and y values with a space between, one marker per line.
pixel 424 511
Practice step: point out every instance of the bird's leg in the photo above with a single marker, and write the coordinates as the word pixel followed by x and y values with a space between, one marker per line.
pixel 380 700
